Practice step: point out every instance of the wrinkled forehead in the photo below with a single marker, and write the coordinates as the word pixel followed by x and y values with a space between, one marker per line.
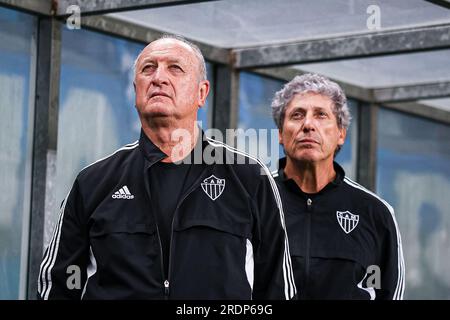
pixel 311 100
pixel 170 48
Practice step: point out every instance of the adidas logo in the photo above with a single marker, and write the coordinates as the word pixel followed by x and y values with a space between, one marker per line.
pixel 123 193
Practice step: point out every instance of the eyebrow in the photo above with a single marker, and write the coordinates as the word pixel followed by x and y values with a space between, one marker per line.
pixel 315 108
pixel 303 109
pixel 297 108
pixel 169 60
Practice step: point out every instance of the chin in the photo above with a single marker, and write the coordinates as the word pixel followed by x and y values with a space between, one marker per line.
pixel 306 156
pixel 157 110
pixel 158 115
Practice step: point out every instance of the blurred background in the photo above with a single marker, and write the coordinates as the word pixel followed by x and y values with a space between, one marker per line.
pixel 67 99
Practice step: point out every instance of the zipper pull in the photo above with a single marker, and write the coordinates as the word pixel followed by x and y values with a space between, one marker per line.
pixel 166 287
pixel 309 203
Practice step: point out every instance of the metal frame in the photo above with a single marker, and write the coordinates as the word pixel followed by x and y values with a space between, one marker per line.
pixel 352 46
pixel 411 92
pixel 96 7
pixel 442 3
pixel 288 73
pixel 422 110
pixel 45 139
pixel 32 6
pixel 132 31
pixel 367 145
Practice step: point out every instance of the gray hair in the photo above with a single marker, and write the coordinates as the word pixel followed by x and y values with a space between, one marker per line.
pixel 195 48
pixel 311 82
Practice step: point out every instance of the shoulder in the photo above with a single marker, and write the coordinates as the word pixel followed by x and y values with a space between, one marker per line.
pixel 238 159
pixel 107 166
pixel 249 169
pixel 380 207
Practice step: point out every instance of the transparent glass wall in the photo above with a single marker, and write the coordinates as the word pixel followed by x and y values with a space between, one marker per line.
pixel 259 135
pixel 17 65
pixel 96 105
pixel 413 175
pixel 255 97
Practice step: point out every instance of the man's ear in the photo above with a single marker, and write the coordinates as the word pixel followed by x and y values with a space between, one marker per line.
pixel 342 135
pixel 203 92
pixel 280 137
pixel 134 86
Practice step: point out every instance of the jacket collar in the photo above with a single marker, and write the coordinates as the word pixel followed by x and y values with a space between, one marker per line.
pixel 150 151
pixel 340 174
pixel 153 154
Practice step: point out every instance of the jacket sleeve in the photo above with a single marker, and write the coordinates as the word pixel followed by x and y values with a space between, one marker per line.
pixel 273 276
pixel 392 265
pixel 62 273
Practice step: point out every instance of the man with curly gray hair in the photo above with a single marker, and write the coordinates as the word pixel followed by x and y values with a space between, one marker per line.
pixel 344 240
pixel 312 83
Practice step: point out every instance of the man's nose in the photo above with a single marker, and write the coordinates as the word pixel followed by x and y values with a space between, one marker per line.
pixel 308 123
pixel 160 76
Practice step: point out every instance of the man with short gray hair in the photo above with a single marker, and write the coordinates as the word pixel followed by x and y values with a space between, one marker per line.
pixel 344 240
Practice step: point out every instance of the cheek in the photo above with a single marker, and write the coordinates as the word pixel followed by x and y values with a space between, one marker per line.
pixel 187 93
pixel 141 87
pixel 330 136
pixel 287 136
pixel 291 129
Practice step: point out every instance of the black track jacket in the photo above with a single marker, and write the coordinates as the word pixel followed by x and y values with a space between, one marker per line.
pixel 228 235
pixel 344 241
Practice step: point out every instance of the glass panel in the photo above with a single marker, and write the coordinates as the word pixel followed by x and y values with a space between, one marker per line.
pixel 17 63
pixel 413 175
pixel 260 136
pixel 348 154
pixel 237 23
pixel 96 107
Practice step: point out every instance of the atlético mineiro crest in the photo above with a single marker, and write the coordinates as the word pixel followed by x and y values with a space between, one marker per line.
pixel 347 220
pixel 213 186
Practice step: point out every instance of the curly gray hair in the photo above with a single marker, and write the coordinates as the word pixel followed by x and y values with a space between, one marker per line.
pixel 311 82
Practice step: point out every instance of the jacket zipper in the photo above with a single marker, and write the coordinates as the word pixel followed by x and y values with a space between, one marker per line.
pixel 166 289
pixel 193 187
pixel 166 282
pixel 308 242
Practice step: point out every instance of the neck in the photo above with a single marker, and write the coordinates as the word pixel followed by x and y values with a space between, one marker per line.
pixel 309 176
pixel 176 139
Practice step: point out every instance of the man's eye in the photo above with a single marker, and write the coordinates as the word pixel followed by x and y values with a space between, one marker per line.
pixel 147 67
pixel 176 67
